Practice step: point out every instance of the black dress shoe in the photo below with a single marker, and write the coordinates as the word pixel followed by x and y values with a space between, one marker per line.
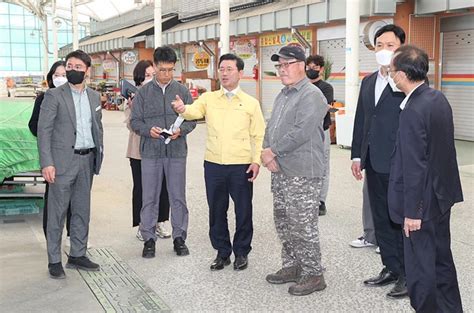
pixel 322 208
pixel 240 263
pixel 180 246
pixel 384 278
pixel 149 249
pixel 400 289
pixel 56 271
pixel 219 263
pixel 82 263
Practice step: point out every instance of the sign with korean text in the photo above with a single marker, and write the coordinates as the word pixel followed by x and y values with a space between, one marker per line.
pixel 201 60
pixel 129 57
pixel 282 39
pixel 244 48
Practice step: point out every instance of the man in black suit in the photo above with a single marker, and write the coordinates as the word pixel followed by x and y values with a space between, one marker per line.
pixel 375 128
pixel 424 185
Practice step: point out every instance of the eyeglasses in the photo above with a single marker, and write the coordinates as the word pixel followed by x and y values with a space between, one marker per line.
pixel 226 70
pixel 285 65
pixel 165 70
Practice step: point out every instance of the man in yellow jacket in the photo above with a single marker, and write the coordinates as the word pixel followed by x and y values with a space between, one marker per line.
pixel 235 128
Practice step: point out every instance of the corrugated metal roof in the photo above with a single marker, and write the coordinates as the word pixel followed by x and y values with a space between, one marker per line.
pixel 126 33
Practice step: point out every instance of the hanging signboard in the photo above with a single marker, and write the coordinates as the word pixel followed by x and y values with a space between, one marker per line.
pixel 129 57
pixel 282 39
pixel 96 61
pixel 109 65
pixel 245 49
pixel 201 60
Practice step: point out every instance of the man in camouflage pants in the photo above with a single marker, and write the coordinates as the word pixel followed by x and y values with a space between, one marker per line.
pixel 294 153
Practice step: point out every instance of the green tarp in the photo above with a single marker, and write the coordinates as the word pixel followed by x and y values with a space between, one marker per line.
pixel 18 149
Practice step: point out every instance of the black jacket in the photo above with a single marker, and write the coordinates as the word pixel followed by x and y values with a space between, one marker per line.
pixel 375 126
pixel 33 123
pixel 424 175
pixel 328 92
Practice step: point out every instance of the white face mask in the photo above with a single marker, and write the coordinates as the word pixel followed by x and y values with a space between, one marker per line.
pixel 392 84
pixel 58 81
pixel 384 57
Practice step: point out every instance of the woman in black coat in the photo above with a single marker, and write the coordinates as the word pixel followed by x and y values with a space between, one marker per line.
pixel 55 78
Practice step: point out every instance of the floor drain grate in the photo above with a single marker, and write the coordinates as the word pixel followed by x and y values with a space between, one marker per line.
pixel 117 287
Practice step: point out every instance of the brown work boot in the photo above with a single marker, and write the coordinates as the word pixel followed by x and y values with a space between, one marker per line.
pixel 307 285
pixel 285 275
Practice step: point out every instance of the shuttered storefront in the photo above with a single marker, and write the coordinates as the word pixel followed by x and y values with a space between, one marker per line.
pixel 457 81
pixel 270 83
pixel 333 50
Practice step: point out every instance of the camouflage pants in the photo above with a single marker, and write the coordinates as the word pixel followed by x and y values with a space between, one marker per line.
pixel 295 211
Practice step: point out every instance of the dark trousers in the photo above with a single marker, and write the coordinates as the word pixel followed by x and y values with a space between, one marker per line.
pixel 223 181
pixel 388 234
pixel 137 200
pixel 431 275
pixel 45 213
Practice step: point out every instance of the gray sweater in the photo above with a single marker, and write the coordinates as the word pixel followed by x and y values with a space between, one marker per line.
pixel 295 130
pixel 153 108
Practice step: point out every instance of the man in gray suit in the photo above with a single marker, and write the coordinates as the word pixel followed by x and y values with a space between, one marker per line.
pixel 70 142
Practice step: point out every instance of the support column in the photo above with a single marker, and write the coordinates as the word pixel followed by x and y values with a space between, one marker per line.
pixel 75 26
pixel 345 122
pixel 45 45
pixel 352 54
pixel 224 29
pixel 54 30
pixel 157 24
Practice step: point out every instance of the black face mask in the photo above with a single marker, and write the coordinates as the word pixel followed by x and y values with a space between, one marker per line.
pixel 75 77
pixel 312 74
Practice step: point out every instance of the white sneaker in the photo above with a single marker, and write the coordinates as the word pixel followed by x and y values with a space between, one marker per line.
pixel 377 250
pixel 360 243
pixel 162 230
pixel 139 235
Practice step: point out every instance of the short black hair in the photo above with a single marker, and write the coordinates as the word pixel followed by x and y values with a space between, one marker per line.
pixel 229 56
pixel 164 54
pixel 316 59
pixel 413 61
pixel 397 30
pixel 49 77
pixel 81 55
pixel 139 71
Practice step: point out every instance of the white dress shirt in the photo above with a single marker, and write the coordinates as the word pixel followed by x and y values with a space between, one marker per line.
pixel 380 85
pixel 404 102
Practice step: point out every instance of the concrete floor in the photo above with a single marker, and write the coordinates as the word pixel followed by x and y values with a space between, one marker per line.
pixel 186 283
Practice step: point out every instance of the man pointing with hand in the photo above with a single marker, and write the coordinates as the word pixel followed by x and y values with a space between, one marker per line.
pixel 235 130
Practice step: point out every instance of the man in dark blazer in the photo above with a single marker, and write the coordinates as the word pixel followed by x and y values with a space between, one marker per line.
pixel 375 128
pixel 424 185
pixel 70 143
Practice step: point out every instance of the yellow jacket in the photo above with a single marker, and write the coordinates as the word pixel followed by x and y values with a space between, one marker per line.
pixel 235 127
